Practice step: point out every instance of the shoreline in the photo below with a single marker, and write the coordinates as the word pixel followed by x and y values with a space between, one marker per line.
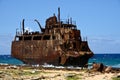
pixel 15 72
pixel 107 59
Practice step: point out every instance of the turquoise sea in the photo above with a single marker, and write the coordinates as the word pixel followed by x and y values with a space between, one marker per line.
pixel 107 59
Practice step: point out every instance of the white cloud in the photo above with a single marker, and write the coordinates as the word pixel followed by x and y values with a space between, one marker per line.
pixel 104 44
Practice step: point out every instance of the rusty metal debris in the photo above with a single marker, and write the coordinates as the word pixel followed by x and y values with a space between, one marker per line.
pixel 58 43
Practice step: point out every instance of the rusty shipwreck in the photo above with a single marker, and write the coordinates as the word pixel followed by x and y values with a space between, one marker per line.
pixel 58 43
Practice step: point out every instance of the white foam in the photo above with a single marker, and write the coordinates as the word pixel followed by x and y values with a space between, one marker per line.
pixel 4 64
pixel 116 66
pixel 48 65
pixel 52 66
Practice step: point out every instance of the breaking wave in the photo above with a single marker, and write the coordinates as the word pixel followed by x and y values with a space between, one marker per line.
pixel 116 66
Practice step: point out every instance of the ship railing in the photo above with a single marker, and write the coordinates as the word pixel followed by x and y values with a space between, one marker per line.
pixel 19 34
pixel 67 21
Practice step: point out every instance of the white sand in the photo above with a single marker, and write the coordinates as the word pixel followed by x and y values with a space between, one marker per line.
pixel 45 74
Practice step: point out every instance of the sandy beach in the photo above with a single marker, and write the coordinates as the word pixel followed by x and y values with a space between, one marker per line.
pixel 11 72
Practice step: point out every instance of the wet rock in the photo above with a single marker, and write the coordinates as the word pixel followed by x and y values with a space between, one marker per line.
pixel 103 68
pixel 97 67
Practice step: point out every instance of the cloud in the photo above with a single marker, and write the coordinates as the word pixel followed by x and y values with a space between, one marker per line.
pixel 104 44
pixel 105 39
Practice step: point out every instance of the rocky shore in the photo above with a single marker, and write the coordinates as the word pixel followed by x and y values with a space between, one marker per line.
pixel 13 72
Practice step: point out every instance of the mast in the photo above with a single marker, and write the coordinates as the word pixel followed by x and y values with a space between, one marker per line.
pixel 59 16
pixel 23 26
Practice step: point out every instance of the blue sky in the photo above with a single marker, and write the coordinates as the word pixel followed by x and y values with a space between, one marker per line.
pixel 98 20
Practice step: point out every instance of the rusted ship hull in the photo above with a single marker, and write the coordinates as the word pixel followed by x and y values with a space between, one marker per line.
pixel 59 43
pixel 36 52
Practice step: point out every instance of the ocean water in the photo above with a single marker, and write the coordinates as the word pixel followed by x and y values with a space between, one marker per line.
pixel 107 59
pixel 7 59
